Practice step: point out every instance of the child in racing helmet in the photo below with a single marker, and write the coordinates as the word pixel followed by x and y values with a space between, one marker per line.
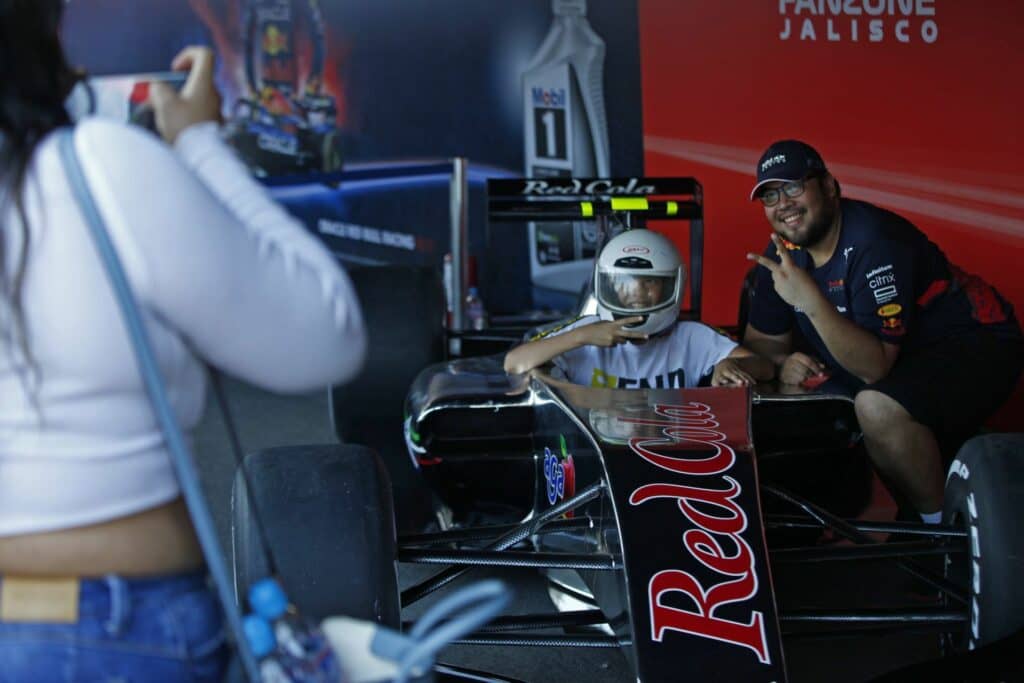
pixel 637 340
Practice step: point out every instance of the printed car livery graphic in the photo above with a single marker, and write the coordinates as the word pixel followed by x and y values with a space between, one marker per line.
pixel 577 186
pixel 681 472
pixel 559 474
pixel 715 540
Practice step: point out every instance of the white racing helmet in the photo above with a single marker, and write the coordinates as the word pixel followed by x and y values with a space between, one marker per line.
pixel 639 273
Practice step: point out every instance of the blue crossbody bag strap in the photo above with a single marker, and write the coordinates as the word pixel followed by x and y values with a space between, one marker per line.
pixel 181 457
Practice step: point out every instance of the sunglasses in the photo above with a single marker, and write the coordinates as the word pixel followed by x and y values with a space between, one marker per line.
pixel 792 188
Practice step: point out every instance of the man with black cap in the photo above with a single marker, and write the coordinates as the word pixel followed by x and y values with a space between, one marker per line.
pixel 929 351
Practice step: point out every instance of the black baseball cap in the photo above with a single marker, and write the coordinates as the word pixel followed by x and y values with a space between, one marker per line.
pixel 787 160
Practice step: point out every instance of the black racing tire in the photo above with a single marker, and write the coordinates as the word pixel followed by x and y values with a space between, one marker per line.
pixel 985 494
pixel 329 521
pixel 331 152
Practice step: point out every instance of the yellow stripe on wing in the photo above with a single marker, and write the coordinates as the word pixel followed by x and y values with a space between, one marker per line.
pixel 629 204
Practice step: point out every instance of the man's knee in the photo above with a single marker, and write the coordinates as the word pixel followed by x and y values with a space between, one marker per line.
pixel 878 412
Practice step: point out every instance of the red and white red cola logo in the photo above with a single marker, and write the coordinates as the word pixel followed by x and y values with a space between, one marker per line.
pixel 694 425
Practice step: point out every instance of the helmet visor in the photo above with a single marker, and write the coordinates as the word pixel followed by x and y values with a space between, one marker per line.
pixel 633 292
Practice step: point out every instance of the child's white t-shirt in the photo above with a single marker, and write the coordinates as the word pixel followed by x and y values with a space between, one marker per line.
pixel 677 359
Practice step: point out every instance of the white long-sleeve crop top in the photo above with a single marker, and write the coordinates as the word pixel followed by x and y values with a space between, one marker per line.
pixel 221 273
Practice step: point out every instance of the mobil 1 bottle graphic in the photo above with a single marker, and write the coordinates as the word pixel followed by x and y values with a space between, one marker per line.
pixel 566 135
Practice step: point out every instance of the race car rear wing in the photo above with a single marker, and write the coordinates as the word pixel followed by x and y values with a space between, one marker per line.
pixel 631 201
pixel 539 199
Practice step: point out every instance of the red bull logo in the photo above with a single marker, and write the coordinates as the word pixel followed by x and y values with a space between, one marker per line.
pixel 275 41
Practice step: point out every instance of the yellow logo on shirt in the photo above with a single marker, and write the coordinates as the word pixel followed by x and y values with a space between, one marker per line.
pixel 600 378
pixel 674 379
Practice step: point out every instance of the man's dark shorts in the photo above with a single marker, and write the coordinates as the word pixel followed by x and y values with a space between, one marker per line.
pixel 954 385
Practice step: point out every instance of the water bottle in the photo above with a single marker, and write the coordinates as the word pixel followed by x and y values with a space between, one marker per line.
pixel 476 316
pixel 261 640
pixel 302 649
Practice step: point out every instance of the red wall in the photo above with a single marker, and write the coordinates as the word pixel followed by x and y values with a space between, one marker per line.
pixel 928 129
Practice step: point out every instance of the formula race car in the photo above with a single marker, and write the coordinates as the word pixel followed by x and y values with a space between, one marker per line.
pixel 663 520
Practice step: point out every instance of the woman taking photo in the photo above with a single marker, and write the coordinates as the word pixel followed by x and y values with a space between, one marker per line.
pixel 101 576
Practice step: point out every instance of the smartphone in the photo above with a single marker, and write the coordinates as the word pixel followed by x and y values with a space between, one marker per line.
pixel 125 97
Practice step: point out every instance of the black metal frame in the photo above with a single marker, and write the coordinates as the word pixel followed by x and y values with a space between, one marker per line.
pixel 437 548
pixel 508 539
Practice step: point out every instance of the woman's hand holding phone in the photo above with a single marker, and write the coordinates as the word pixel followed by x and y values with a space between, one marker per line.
pixel 197 102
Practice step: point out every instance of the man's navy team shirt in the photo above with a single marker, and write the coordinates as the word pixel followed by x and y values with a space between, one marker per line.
pixel 890 279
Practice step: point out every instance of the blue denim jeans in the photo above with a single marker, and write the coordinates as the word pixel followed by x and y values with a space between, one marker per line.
pixel 129 631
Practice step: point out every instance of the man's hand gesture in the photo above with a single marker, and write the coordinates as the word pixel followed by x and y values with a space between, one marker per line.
pixel 792 283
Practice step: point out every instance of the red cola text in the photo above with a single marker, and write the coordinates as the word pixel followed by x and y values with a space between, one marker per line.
pixel 694 424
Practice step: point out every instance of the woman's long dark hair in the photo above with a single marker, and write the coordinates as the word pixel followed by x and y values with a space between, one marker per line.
pixel 35 79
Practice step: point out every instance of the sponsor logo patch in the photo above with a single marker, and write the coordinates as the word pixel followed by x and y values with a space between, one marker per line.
pixel 889 310
pixel 885 294
pixel 882 279
pixel 635 249
pixel 893 327
pixel 880 269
